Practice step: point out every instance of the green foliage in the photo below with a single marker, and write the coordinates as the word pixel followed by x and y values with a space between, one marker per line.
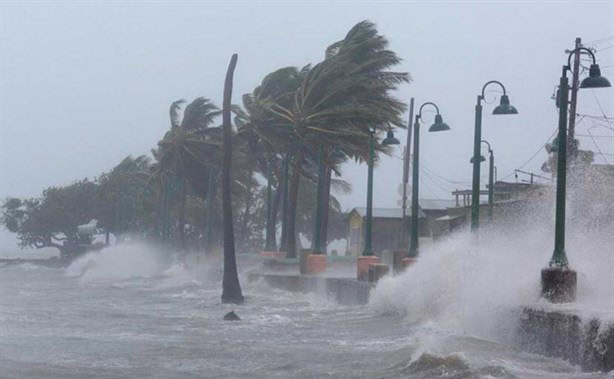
pixel 51 220
pixel 333 104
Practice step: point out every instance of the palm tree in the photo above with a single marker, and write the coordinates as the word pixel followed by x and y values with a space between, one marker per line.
pixel 340 100
pixel 231 289
pixel 123 196
pixel 266 136
pixel 187 153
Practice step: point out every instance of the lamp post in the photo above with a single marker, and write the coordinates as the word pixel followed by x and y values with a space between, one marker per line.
pixel 284 203
pixel 503 108
pixel 389 140
pixel 438 126
pixel 491 162
pixel 558 281
pixel 367 254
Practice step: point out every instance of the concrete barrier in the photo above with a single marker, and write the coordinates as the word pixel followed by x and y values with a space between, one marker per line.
pixel 587 343
pixel 377 271
pixel 345 291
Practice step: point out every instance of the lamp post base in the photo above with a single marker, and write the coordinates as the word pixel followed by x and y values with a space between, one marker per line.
pixel 315 264
pixel 559 284
pixel 408 261
pixel 377 271
pixel 397 261
pixel 362 266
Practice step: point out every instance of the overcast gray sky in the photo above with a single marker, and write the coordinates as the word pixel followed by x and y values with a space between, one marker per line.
pixel 85 84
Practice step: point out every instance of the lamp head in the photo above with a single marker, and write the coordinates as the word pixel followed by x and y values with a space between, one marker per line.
pixel 482 159
pixel 439 125
pixel 390 139
pixel 505 107
pixel 594 79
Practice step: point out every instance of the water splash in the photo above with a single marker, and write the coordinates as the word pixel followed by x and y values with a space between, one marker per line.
pixel 122 261
pixel 477 286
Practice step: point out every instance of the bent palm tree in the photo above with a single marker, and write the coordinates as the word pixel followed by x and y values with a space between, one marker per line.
pixel 187 152
pixel 340 100
pixel 231 289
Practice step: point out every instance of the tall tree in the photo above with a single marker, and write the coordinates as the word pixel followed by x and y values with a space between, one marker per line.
pixel 231 289
pixel 187 153
pixel 52 220
pixel 266 134
pixel 340 100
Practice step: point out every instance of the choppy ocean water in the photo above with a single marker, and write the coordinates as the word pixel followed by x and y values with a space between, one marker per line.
pixel 126 313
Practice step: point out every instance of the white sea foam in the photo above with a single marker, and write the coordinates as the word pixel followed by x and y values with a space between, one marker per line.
pixel 122 261
pixel 476 286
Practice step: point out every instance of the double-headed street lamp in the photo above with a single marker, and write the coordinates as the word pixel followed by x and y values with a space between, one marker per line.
pixel 491 162
pixel 438 126
pixel 503 108
pixel 389 140
pixel 558 281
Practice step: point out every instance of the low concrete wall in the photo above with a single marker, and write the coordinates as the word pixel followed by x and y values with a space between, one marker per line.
pixel 345 291
pixel 587 343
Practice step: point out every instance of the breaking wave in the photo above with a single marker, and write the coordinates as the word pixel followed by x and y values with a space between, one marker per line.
pixel 477 286
pixel 122 261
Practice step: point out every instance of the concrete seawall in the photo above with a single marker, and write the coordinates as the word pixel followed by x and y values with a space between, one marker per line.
pixel 345 291
pixel 588 343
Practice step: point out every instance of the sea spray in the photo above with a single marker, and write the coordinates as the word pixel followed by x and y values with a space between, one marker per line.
pixel 477 284
pixel 123 261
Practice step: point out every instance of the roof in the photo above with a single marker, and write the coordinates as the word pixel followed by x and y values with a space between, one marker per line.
pixel 437 204
pixel 449 218
pixel 385 212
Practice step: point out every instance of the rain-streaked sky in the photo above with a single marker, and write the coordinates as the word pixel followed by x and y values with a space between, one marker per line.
pixel 85 84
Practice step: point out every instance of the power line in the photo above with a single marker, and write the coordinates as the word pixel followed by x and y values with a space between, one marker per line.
pixel 597 146
pixel 597 117
pixel 593 136
pixel 598 41
pixel 435 183
pixel 534 155
pixel 442 177
pixel 599 105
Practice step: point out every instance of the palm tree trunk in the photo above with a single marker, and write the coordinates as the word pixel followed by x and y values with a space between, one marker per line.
pixel 293 202
pixel 165 212
pixel 325 210
pixel 270 240
pixel 231 289
pixel 244 237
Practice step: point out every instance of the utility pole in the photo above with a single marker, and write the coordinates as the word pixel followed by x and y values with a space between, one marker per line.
pixel 575 81
pixel 406 168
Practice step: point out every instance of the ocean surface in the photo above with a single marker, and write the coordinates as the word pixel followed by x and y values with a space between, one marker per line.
pixel 128 312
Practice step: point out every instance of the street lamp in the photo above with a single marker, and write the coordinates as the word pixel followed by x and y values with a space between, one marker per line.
pixel 503 108
pixel 438 126
pixel 558 281
pixel 389 140
pixel 367 258
pixel 491 166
